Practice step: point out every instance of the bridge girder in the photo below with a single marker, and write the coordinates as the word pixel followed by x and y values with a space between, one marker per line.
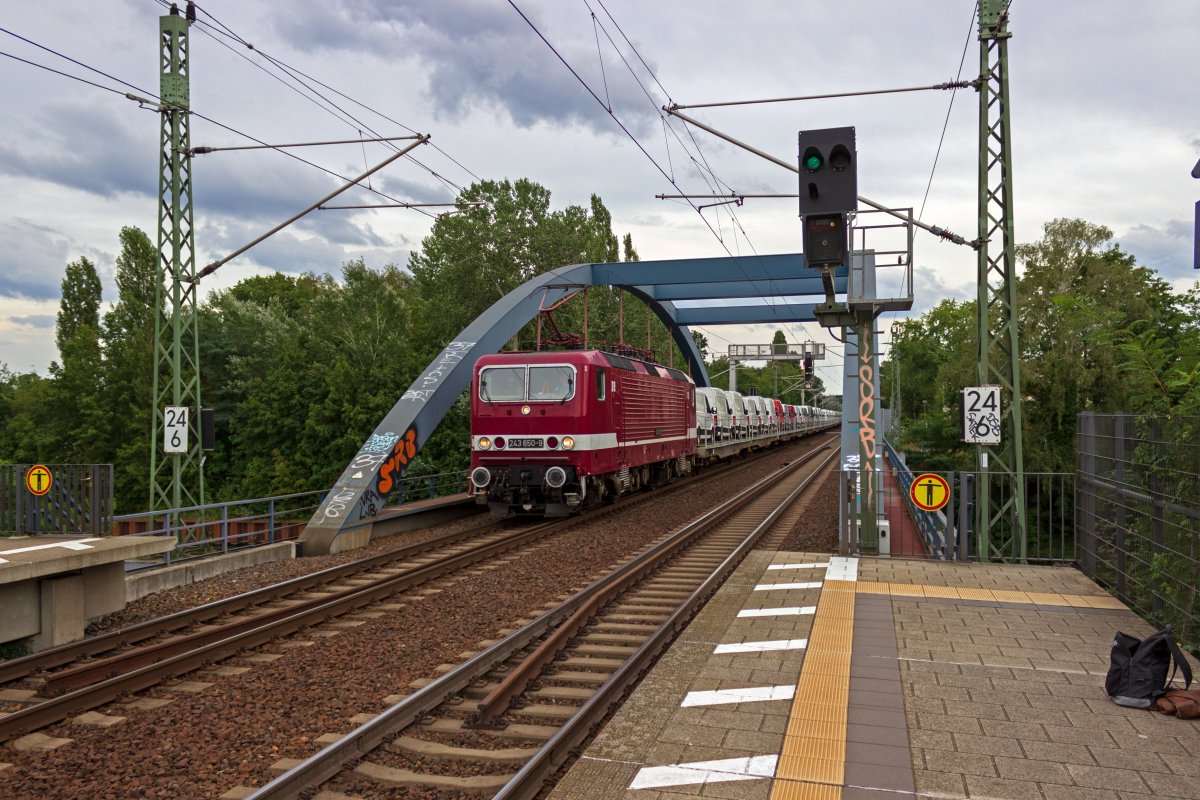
pixel 360 492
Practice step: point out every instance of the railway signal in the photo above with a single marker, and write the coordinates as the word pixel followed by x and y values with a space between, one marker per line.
pixel 828 193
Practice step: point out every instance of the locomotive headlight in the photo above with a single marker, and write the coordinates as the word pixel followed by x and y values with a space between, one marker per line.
pixel 485 443
pixel 568 443
pixel 525 410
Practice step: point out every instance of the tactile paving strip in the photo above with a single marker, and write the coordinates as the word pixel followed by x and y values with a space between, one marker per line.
pixel 986 595
pixel 813 761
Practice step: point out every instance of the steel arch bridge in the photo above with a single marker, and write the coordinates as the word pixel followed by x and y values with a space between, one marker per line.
pixel 360 492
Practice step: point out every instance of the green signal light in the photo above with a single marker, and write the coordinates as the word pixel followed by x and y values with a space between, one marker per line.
pixel 812 162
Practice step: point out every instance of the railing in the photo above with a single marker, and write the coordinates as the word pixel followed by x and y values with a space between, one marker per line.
pixel 936 527
pixel 77 499
pixel 1138 507
pixel 950 532
pixel 224 527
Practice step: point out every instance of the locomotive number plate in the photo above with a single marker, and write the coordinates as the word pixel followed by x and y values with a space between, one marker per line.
pixel 528 443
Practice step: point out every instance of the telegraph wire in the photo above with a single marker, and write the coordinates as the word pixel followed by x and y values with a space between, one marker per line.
pixel 301 77
pixel 701 171
pixel 64 74
pixel 152 97
pixel 950 108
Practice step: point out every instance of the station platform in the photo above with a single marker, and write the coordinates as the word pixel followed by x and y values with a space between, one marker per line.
pixel 817 678
pixel 51 586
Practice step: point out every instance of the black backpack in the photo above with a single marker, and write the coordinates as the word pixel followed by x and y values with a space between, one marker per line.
pixel 1137 671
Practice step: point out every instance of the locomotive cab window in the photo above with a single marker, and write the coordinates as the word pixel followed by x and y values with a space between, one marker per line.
pixel 552 384
pixel 600 384
pixel 502 384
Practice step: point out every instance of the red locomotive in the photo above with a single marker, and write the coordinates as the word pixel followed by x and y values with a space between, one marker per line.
pixel 553 432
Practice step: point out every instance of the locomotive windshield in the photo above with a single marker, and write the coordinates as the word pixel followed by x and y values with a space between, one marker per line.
pixel 509 384
pixel 551 383
pixel 502 384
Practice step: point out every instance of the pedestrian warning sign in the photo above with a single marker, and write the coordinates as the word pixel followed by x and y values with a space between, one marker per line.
pixel 39 479
pixel 929 492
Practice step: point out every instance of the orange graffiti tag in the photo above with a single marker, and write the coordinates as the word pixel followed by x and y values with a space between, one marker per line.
pixel 403 452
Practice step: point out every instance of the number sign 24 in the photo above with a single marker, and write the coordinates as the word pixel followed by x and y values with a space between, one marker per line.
pixel 981 414
pixel 175 429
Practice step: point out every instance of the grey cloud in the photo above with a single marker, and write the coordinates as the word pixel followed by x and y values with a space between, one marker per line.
pixel 1166 248
pixel 289 252
pixel 32 260
pixel 410 191
pixel 36 321
pixel 96 147
pixel 475 53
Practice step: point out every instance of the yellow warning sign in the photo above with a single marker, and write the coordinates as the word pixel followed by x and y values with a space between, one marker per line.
pixel 929 492
pixel 39 479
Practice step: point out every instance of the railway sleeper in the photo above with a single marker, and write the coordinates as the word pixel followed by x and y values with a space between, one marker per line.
pixel 427 749
pixel 604 650
pixel 537 733
pixel 392 776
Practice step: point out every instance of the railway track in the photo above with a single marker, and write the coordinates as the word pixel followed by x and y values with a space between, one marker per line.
pixel 508 719
pixel 102 669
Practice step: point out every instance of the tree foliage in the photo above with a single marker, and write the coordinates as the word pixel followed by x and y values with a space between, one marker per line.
pixel 1098 332
pixel 300 368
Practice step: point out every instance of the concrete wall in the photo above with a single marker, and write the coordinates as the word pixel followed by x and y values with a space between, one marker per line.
pixel 140 584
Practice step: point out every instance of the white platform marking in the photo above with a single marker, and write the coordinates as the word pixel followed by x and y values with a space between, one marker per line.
pixel 761 647
pixel 768 587
pixel 724 769
pixel 786 611
pixel 842 569
pixel 750 694
pixel 75 544
pixel 815 565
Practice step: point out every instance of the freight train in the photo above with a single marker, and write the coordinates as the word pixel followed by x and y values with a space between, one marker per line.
pixel 553 433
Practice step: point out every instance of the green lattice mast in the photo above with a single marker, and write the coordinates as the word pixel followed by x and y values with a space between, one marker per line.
pixel 1000 506
pixel 176 479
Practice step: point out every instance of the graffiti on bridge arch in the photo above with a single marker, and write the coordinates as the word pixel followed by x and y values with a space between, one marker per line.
pixel 866 416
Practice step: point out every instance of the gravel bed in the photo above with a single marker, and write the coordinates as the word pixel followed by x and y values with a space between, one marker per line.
pixel 816 531
pixel 246 579
pixel 228 734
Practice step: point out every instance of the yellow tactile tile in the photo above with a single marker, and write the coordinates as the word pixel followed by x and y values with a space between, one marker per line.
pixel 976 594
pixel 813 728
pixel 874 587
pixel 1010 596
pixel 833 749
pixel 796 790
pixel 825 663
pixel 1046 598
pixel 1075 601
pixel 820 712
pixel 941 591
pixel 817 686
pixel 907 590
pixel 803 768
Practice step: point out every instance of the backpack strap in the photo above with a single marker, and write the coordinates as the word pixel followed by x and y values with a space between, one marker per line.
pixel 1181 663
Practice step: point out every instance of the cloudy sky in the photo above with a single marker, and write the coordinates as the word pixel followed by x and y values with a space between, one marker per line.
pixel 1106 126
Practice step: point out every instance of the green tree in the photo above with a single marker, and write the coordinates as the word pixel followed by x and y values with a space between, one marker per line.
pixel 128 374
pixel 77 425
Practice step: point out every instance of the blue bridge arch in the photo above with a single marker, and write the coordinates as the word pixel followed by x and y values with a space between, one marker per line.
pixel 361 490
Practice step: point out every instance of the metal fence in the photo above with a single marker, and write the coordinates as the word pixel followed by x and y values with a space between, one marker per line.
pixel 1138 507
pixel 950 532
pixel 79 499
pixel 223 527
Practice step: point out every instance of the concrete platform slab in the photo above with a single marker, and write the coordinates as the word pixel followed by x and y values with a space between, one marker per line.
pixel 919 679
